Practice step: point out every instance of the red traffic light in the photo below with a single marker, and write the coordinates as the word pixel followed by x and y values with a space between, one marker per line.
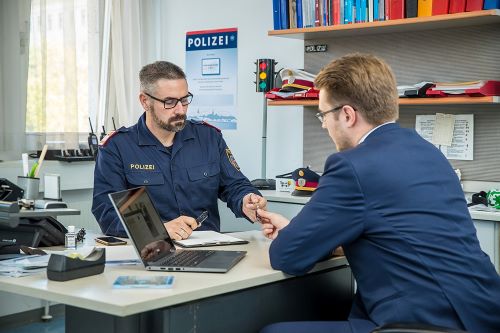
pixel 264 74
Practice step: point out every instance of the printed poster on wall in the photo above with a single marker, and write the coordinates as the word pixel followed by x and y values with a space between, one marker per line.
pixel 211 69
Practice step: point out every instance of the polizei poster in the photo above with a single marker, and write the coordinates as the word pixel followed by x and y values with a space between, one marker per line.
pixel 212 73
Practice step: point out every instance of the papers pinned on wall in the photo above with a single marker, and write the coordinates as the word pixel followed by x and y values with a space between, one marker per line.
pixel 438 130
pixel 444 126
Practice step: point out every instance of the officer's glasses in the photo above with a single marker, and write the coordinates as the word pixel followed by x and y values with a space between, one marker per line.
pixel 170 102
pixel 321 115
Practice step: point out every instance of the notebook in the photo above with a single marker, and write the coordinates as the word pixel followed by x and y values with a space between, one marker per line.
pixel 209 238
pixel 153 244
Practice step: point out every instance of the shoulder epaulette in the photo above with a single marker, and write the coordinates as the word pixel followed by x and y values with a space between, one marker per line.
pixel 210 125
pixel 107 137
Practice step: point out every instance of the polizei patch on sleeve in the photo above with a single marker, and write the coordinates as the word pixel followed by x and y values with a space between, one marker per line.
pixel 231 159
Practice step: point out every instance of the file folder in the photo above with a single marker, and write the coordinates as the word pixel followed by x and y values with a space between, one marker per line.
pixel 473 5
pixel 440 7
pixel 473 89
pixel 336 12
pixel 396 9
pixel 457 6
pixel 424 8
pixel 284 17
pixel 411 8
pixel 276 15
pixel 491 4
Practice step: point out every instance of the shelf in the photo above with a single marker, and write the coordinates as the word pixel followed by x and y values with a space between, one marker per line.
pixel 462 100
pixel 457 20
pixel 306 102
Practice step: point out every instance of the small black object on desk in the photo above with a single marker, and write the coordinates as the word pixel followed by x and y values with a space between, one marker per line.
pixel 62 268
pixel 264 184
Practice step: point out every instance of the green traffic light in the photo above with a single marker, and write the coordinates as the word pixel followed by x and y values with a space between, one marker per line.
pixel 262 85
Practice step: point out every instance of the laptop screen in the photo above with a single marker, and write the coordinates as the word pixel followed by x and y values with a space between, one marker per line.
pixel 143 223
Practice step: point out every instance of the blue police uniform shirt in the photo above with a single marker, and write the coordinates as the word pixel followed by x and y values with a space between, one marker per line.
pixel 185 180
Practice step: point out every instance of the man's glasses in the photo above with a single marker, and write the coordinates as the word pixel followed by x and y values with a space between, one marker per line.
pixel 170 102
pixel 321 115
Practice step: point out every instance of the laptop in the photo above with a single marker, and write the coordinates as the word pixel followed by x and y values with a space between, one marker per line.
pixel 153 244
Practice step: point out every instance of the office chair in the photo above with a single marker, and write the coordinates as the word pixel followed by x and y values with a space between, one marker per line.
pixel 414 328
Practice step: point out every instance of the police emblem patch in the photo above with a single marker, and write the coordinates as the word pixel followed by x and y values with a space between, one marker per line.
pixel 231 159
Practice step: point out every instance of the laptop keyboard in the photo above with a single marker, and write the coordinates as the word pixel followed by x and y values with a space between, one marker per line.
pixel 187 258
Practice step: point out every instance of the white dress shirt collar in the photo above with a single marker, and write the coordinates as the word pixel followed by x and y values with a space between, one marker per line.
pixel 373 129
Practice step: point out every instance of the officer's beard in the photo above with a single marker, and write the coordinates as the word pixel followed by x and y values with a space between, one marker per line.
pixel 169 126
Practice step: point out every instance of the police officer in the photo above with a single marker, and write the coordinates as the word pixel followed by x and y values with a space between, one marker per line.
pixel 186 165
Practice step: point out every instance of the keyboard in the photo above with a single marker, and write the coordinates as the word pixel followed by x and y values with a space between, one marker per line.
pixel 186 258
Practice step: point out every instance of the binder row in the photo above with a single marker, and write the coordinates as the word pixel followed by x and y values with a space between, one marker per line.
pixel 291 14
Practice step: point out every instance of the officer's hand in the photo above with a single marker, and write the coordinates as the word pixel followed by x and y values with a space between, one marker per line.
pixel 272 223
pixel 252 202
pixel 181 227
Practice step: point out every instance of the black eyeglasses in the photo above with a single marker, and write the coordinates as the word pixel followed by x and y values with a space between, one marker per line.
pixel 170 102
pixel 321 115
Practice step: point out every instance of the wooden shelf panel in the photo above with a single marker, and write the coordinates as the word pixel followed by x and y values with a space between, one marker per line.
pixel 402 25
pixel 407 101
pixel 310 102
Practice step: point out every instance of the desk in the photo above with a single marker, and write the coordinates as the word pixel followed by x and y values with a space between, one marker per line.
pixel 245 299
pixel 48 212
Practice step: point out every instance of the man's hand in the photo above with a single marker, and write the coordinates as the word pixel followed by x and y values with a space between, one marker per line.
pixel 151 250
pixel 252 202
pixel 272 223
pixel 181 227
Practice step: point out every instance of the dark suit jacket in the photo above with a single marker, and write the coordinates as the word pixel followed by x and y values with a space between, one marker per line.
pixel 396 206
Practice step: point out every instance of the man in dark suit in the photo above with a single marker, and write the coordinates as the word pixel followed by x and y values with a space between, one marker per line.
pixel 395 205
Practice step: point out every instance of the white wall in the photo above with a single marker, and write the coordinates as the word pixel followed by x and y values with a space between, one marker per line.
pixel 253 20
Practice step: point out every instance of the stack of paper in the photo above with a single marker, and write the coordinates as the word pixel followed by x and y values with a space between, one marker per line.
pixel 456 88
pixel 209 238
pixel 24 265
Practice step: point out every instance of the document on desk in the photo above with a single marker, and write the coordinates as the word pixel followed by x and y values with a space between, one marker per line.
pixel 24 266
pixel 209 238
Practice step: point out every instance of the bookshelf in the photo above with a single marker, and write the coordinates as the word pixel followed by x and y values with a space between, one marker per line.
pixel 447 21
pixel 462 100
pixel 446 48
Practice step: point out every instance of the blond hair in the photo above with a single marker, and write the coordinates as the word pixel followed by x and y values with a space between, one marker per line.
pixel 364 82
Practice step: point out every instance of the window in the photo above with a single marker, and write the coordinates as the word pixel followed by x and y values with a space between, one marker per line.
pixel 63 72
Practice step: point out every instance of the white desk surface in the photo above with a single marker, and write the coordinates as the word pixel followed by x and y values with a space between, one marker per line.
pixel 96 293
pixel 285 197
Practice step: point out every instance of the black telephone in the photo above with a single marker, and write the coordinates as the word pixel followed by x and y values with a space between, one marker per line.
pixel 35 232
pixel 10 191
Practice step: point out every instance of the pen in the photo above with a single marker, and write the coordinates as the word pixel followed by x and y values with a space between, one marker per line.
pixel 202 218
pixel 40 160
pixel 257 217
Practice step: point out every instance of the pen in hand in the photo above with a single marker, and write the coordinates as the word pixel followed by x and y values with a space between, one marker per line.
pixel 257 217
pixel 202 218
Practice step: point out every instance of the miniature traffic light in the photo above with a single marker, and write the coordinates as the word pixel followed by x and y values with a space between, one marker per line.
pixel 264 75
